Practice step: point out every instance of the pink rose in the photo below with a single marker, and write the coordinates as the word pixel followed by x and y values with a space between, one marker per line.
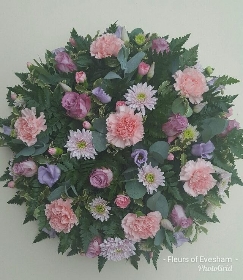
pixel 191 83
pixel 94 247
pixel 175 125
pixel 142 227
pixel 170 156
pixel 231 125
pixel 77 105
pixel 60 215
pixel 26 168
pixel 106 45
pixel 178 217
pixel 122 201
pixel 64 63
pixel 28 126
pixel 80 77
pixel 101 178
pixel 143 68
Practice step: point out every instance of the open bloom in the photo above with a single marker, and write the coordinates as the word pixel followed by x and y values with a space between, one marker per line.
pixel 178 217
pixel 124 127
pixel 225 179
pixel 190 134
pixel 231 125
pixel 28 126
pixel 60 215
pixel 140 96
pixel 64 63
pixel 99 209
pixel 160 45
pixel 26 168
pixel 101 95
pixel 151 177
pixel 142 227
pixel 80 144
pixel 180 238
pixel 203 150
pixel 106 45
pixel 117 249
pixel 49 175
pixel 197 177
pixel 191 83
pixel 140 156
pixel 122 201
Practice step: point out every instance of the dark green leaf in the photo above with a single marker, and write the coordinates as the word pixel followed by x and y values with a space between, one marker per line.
pixel 27 151
pixel 159 237
pixel 99 141
pixel 135 189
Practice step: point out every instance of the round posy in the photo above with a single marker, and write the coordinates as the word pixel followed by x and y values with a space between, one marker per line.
pixel 123 145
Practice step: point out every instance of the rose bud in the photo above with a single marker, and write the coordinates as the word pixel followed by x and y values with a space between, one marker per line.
pixel 122 201
pixel 11 184
pixel 87 125
pixel 80 77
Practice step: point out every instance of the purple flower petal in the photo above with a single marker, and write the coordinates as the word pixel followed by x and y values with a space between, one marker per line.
pixel 6 130
pixel 140 156
pixel 56 51
pixel 48 175
pixel 51 232
pixel 118 32
pixel 101 95
pixel 180 238
pixel 203 150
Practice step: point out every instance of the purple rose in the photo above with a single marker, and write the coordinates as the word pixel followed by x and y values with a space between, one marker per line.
pixel 49 175
pixel 64 63
pixel 160 45
pixel 77 105
pixel 180 238
pixel 101 95
pixel 231 125
pixel 178 217
pixel 26 168
pixel 203 150
pixel 175 125
pixel 140 156
pixel 101 178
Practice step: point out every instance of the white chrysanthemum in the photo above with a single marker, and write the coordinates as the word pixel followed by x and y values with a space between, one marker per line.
pixel 99 209
pixel 151 177
pixel 210 210
pixel 19 102
pixel 140 96
pixel 190 134
pixel 225 178
pixel 80 144
pixel 116 249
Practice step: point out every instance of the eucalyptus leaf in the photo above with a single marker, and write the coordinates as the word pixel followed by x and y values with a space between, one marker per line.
pixel 212 127
pixel 135 32
pixel 112 75
pixel 27 151
pixel 100 125
pixel 180 106
pixel 57 193
pixel 158 202
pixel 159 237
pixel 133 63
pixel 40 151
pixel 135 189
pixel 99 141
pixel 159 150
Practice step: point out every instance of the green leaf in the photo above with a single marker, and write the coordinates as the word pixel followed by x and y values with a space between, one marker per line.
pixel 180 106
pixel 42 235
pixel 130 173
pixel 212 127
pixel 40 151
pixel 57 193
pixel 225 80
pixel 177 43
pixel 175 192
pixel 27 151
pixel 101 263
pixel 135 189
pixel 133 63
pixel 169 239
pixel 158 202
pixel 99 141
pixel 65 242
pixel 112 75
pixel 189 57
pixel 159 151
pixel 135 32
pixel 134 261
pixel 100 125
pixel 122 57
pixel 159 237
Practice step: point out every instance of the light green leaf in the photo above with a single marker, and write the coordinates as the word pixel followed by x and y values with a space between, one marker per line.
pixel 112 75
pixel 133 63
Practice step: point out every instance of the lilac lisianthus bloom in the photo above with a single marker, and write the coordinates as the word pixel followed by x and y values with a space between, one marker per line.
pixel 118 32
pixel 178 217
pixel 101 95
pixel 49 175
pixel 211 83
pixel 51 232
pixel 180 238
pixel 56 51
pixel 203 150
pixel 6 130
pixel 140 156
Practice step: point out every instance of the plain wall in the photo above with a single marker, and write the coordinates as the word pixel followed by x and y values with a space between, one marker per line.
pixel 28 28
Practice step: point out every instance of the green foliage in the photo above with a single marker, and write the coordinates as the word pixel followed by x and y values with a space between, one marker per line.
pixel 177 43
pixel 101 263
pixel 40 236
pixel 188 57
pixel 135 189
pixel 158 202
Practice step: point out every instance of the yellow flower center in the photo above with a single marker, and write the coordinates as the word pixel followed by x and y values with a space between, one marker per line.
pixel 188 134
pixel 149 177
pixel 82 144
pixel 141 96
pixel 100 209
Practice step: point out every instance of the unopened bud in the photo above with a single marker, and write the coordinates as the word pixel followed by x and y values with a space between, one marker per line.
pixel 170 156
pixel 124 35
pixel 73 42
pixel 165 223
pixel 209 70
pixel 55 151
pixel 87 125
pixel 151 71
pixel 65 87
pixel 11 184
pixel 29 64
pixel 140 39
pixel 13 96
pixel 198 108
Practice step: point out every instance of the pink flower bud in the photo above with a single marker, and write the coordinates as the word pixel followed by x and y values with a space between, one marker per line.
pixel 55 151
pixel 170 156
pixel 230 113
pixel 87 125
pixel 29 64
pixel 143 68
pixel 80 77
pixel 11 184
pixel 73 42
pixel 13 96
pixel 122 201
pixel 120 103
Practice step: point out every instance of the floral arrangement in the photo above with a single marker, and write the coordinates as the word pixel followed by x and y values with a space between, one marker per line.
pixel 123 145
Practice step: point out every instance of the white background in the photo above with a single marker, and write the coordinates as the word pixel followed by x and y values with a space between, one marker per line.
pixel 28 28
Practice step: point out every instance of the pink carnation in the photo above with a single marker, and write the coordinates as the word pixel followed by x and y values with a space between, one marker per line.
pixel 94 247
pixel 124 127
pixel 105 46
pixel 142 227
pixel 60 215
pixel 179 218
pixel 28 126
pixel 191 83
pixel 197 177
